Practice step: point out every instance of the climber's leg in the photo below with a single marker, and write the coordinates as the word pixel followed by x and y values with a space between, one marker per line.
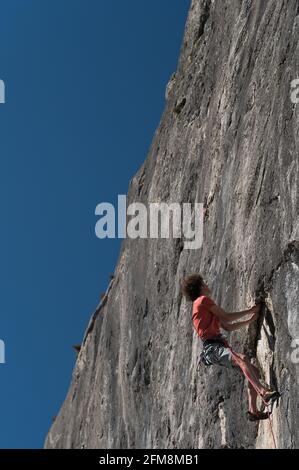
pixel 255 371
pixel 249 371
pixel 252 394
pixel 252 399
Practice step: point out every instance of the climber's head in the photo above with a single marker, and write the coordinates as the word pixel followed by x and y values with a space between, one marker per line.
pixel 193 286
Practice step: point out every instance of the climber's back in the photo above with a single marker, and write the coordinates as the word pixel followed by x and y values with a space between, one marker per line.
pixel 205 323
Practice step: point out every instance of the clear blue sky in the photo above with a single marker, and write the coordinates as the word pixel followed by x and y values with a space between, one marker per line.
pixel 85 83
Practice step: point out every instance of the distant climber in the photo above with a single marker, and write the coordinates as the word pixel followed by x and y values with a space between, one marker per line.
pixel 207 320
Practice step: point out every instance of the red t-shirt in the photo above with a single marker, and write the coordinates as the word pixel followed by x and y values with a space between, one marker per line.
pixel 205 322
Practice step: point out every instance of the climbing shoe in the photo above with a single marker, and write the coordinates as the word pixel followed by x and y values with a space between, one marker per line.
pixel 271 395
pixel 270 399
pixel 257 416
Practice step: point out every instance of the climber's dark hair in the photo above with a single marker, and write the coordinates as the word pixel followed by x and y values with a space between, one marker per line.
pixel 191 286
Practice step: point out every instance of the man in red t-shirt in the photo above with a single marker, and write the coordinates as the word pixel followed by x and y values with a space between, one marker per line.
pixel 207 320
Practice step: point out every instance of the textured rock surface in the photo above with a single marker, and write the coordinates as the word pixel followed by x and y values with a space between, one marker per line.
pixel 228 137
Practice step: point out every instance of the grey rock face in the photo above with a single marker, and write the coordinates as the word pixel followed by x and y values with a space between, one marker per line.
pixel 229 137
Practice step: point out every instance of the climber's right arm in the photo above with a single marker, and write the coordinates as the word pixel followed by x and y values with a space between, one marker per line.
pixel 238 325
pixel 223 315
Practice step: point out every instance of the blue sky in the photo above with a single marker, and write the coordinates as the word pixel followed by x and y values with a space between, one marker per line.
pixel 85 83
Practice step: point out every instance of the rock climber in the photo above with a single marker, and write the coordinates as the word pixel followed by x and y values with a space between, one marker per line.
pixel 208 318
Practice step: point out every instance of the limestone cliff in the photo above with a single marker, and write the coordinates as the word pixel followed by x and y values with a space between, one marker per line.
pixel 229 137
